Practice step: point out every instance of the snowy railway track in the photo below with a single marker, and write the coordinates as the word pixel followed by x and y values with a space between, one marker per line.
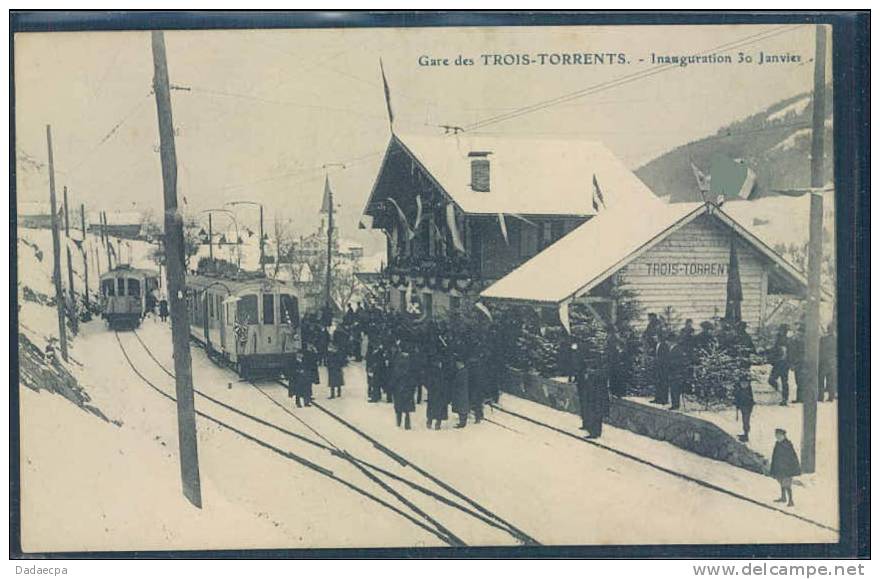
pixel 669 471
pixel 291 456
pixel 368 469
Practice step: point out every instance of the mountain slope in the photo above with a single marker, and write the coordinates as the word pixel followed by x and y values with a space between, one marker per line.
pixel 775 143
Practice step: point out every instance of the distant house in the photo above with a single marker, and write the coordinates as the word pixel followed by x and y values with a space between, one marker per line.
pixel 126 225
pixel 461 212
pixel 34 215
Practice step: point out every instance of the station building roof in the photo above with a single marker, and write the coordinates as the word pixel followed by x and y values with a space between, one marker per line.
pixel 528 175
pixel 605 244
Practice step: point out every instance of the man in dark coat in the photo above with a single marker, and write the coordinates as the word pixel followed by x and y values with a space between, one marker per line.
pixel 335 362
pixel 418 362
pixel 163 309
pixel 461 403
pixel 784 466
pixel 744 400
pixel 828 365
pixel 376 367
pixel 403 384
pixel 676 368
pixel 597 402
pixel 322 344
pixel 613 356
pixel 438 391
pixel 797 362
pixel 477 381
pixel 663 366
pixel 779 358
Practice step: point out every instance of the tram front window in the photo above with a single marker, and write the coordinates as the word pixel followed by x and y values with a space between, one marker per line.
pixel 134 287
pixel 246 310
pixel 107 288
pixel 268 309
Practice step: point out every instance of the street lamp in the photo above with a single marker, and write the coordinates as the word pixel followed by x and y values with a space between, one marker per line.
pixel 211 232
pixel 260 205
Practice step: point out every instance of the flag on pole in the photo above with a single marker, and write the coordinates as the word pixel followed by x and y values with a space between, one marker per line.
pixel 563 316
pixel 409 232
pixel 387 96
pixel 453 228
pixel 730 179
pixel 503 225
pixel 598 198
pixel 418 213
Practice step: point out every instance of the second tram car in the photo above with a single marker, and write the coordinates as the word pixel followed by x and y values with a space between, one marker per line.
pixel 126 295
pixel 253 325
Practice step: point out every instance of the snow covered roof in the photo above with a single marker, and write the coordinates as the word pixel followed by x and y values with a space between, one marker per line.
pixel 528 175
pixel 606 243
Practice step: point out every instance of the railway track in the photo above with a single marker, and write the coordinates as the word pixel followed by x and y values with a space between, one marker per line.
pixel 669 471
pixel 373 472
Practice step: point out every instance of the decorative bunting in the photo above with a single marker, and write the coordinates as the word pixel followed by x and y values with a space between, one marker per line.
pixel 597 195
pixel 563 316
pixel 409 232
pixel 453 228
pixel 480 306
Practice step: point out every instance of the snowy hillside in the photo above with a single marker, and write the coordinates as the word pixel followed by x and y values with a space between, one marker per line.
pixel 775 143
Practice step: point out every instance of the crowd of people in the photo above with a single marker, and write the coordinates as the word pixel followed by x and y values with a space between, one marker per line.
pixel 407 364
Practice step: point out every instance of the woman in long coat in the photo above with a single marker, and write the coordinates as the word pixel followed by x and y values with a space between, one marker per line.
pixel 461 404
pixel 403 384
pixel 335 362
pixel 438 391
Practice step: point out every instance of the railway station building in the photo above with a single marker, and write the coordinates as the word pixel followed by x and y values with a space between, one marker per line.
pixel 546 222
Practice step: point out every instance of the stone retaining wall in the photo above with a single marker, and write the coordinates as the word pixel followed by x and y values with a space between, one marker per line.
pixel 683 430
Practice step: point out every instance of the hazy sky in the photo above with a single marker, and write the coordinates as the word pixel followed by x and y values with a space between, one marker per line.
pixel 267 108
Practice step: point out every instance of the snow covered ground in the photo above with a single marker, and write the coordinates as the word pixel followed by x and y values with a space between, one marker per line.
pixel 89 484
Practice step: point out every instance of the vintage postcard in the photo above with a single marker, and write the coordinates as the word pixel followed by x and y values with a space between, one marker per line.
pixel 426 287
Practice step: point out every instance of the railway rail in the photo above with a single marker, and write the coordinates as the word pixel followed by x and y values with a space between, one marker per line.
pixel 472 508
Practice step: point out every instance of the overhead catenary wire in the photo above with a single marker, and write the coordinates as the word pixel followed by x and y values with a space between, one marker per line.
pixel 626 79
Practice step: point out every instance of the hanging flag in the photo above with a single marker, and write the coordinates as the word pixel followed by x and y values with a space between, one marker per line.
pixel 598 198
pixel 730 179
pixel 409 232
pixel 503 228
pixel 328 196
pixel 563 316
pixel 703 180
pixel 453 228
pixel 387 96
pixel 480 306
pixel 418 212
pixel 733 309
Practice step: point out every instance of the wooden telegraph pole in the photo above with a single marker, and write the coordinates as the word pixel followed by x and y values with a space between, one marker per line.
pixel 56 249
pixel 174 262
pixel 327 297
pixel 262 250
pixel 210 238
pixel 71 309
pixel 814 269
pixel 85 252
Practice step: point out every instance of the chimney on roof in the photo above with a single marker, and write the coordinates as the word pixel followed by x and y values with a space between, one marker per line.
pixel 479 170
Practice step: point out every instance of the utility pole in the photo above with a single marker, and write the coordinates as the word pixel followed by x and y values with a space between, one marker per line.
pixel 210 237
pixel 66 215
pixel 814 267
pixel 329 243
pixel 71 311
pixel 174 262
pixel 85 252
pixel 56 249
pixel 262 250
